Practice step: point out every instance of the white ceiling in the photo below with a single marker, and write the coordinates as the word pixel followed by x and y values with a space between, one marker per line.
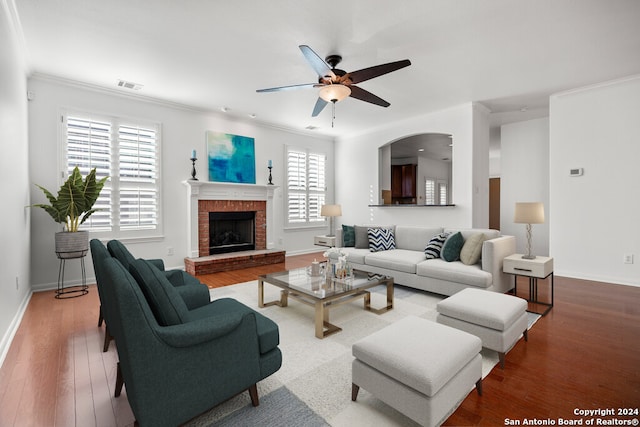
pixel 506 54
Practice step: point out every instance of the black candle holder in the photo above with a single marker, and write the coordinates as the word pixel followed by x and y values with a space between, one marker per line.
pixel 193 168
pixel 270 183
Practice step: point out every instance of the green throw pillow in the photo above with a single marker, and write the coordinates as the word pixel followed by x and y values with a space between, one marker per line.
pixel 472 249
pixel 348 236
pixel 452 247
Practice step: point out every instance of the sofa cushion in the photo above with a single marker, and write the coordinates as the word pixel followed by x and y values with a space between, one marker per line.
pixel 381 239
pixel 348 236
pixel 472 248
pixel 397 259
pixel 165 301
pixel 414 238
pixel 452 247
pixel 434 247
pixel 457 272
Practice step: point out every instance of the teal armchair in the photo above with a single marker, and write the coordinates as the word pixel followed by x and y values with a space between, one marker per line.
pixel 179 367
pixel 99 253
pixel 194 293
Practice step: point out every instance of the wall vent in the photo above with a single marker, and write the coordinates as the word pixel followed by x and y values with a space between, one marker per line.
pixel 129 85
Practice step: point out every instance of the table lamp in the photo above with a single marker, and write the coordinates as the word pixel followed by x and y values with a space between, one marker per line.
pixel 331 211
pixel 529 213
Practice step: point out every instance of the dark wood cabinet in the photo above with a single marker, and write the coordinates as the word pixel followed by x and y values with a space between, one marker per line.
pixel 403 183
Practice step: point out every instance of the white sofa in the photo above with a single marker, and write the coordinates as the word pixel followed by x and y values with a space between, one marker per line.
pixel 408 265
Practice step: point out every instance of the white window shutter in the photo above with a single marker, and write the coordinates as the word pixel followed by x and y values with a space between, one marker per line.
pixel 129 155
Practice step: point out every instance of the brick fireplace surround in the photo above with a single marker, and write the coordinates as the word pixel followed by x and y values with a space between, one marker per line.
pixel 205 197
pixel 206 206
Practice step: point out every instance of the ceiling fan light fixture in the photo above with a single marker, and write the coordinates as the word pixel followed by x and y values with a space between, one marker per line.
pixel 334 92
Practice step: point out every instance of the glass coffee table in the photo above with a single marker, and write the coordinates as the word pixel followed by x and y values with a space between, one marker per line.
pixel 323 293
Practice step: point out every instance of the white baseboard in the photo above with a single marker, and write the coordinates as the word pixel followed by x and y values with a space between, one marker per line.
pixel 595 278
pixel 7 339
pixel 41 287
pixel 307 251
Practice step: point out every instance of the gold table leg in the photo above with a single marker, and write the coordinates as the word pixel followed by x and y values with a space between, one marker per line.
pixel 389 306
pixel 322 321
pixel 284 297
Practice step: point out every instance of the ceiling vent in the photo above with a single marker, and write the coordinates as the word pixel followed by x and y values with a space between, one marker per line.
pixel 129 85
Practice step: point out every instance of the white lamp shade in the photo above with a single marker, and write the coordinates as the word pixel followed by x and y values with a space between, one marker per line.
pixel 529 213
pixel 334 92
pixel 331 210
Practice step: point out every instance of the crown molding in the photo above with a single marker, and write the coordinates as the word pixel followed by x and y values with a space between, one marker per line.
pixel 595 86
pixel 169 104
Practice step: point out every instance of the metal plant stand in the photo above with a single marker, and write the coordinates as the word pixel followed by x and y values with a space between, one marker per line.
pixel 75 290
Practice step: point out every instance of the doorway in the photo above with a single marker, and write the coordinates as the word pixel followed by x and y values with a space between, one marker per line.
pixel 494 203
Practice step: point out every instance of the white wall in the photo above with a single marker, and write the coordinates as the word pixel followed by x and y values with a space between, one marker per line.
pixel 525 178
pixel 494 152
pixel 595 218
pixel 14 182
pixel 183 129
pixel 357 172
pixel 480 165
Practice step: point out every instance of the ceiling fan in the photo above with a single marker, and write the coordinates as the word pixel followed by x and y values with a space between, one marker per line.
pixel 336 84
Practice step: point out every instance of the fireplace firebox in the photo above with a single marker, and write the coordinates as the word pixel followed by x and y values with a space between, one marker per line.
pixel 231 232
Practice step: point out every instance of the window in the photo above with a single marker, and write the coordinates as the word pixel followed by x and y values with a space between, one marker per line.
pixel 436 192
pixel 127 152
pixel 306 187
pixel 442 191
pixel 430 192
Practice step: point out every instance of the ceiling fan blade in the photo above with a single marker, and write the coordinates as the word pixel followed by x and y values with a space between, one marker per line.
pixel 378 70
pixel 320 104
pixel 317 63
pixel 363 95
pixel 276 89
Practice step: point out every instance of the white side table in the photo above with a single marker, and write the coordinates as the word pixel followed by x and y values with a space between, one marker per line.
pixel 329 241
pixel 540 267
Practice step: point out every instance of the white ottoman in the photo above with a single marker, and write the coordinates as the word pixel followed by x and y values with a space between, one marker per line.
pixel 497 319
pixel 421 368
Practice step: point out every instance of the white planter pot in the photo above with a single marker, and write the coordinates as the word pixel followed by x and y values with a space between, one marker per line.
pixel 72 245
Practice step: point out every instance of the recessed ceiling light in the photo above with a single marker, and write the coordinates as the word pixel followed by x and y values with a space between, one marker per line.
pixel 311 127
pixel 252 115
pixel 225 109
pixel 421 149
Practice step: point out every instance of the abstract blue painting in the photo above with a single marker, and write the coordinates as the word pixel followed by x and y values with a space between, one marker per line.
pixel 231 158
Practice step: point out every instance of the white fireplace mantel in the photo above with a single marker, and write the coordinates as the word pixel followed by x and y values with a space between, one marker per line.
pixel 206 190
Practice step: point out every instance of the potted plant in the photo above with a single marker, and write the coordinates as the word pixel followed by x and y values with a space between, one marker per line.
pixel 71 208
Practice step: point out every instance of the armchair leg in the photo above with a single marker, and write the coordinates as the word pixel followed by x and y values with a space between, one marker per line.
pixel 107 339
pixel 119 381
pixel 253 392
pixel 100 318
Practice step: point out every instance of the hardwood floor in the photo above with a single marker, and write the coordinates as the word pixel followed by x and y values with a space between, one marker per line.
pixel 584 354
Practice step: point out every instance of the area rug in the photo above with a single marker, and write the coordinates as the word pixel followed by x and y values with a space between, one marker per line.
pixel 313 386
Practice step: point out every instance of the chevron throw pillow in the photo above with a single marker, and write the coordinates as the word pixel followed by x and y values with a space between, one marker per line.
pixel 434 247
pixel 381 239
